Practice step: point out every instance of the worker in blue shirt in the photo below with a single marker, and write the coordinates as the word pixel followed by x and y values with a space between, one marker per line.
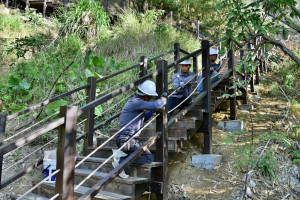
pixel 134 107
pixel 183 86
pixel 214 70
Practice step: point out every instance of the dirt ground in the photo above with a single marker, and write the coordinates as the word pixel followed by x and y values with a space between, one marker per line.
pixel 226 180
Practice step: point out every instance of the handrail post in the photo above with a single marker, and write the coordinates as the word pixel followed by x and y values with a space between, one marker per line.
pixel 251 79
pixel 177 26
pixel 230 56
pixel 197 30
pixel 106 5
pixel 195 65
pixel 89 124
pixel 161 173
pixel 44 8
pixel 207 115
pixel 66 150
pixel 27 5
pixel 244 78
pixel 143 66
pixel 124 4
pixel 171 17
pixel 177 56
pixel 2 131
pixel 6 3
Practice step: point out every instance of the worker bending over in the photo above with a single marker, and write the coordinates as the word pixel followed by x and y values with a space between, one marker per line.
pixel 134 107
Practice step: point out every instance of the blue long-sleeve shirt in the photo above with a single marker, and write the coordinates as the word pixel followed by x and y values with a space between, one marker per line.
pixel 133 108
pixel 178 80
pixel 216 67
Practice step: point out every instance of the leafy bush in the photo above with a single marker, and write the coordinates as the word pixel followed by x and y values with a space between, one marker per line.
pixel 142 34
pixel 86 18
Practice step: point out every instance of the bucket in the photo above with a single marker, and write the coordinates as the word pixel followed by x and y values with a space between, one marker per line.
pixel 49 163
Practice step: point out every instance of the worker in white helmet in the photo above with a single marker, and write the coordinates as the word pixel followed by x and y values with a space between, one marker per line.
pixel 134 107
pixel 183 85
pixel 214 69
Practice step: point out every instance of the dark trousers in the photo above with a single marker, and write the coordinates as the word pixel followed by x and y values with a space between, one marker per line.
pixel 174 101
pixel 145 158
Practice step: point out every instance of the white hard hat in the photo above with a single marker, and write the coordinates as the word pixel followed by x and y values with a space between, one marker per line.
pixel 213 52
pixel 147 88
pixel 186 62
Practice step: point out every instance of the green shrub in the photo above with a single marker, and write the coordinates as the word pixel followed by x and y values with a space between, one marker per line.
pixel 86 18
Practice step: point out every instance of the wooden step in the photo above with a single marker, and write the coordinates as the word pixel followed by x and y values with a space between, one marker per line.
pixel 132 186
pixel 112 143
pixel 32 196
pixel 174 133
pixel 93 163
pixel 48 190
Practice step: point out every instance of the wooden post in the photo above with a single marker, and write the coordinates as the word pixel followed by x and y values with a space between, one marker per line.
pixel 143 67
pixel 2 131
pixel 124 4
pixel 27 5
pixel 106 5
pixel 171 17
pixel 44 8
pixel 230 56
pixel 197 30
pixel 245 100
pixel 177 26
pixel 66 149
pixel 89 124
pixel 177 56
pixel 251 79
pixel 6 3
pixel 195 65
pixel 207 117
pixel 161 173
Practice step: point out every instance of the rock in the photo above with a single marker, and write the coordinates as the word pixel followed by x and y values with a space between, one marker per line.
pixel 252 183
pixel 246 107
pixel 256 98
pixel 4 11
pixel 206 161
pixel 248 192
pixel 231 126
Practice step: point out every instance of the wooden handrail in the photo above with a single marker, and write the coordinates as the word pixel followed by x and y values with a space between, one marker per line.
pixel 31 136
pixel 113 174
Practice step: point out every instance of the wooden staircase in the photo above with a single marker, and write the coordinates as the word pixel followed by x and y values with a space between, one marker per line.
pixel 141 177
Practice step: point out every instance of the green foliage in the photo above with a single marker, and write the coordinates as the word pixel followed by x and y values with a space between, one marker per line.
pixel 33 17
pixel 267 165
pixel 136 35
pixel 28 43
pixel 86 18
pixel 10 23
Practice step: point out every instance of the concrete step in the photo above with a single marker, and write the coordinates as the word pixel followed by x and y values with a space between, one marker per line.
pixel 93 162
pixel 132 186
pixel 48 190
pixel 174 133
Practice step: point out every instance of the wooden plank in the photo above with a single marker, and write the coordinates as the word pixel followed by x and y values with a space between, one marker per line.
pixel 112 175
pixel 22 173
pixel 31 136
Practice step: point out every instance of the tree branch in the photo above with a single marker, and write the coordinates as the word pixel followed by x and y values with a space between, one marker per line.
pixel 279 44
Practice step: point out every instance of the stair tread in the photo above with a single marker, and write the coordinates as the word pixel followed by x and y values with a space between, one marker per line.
pixel 101 195
pixel 32 196
pixel 143 138
pixel 101 160
pixel 131 180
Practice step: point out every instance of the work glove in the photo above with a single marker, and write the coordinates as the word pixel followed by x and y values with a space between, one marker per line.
pixel 182 84
pixel 164 94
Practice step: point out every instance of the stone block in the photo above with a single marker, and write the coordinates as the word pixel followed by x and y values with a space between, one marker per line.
pixel 206 161
pixel 231 126
pixel 246 107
